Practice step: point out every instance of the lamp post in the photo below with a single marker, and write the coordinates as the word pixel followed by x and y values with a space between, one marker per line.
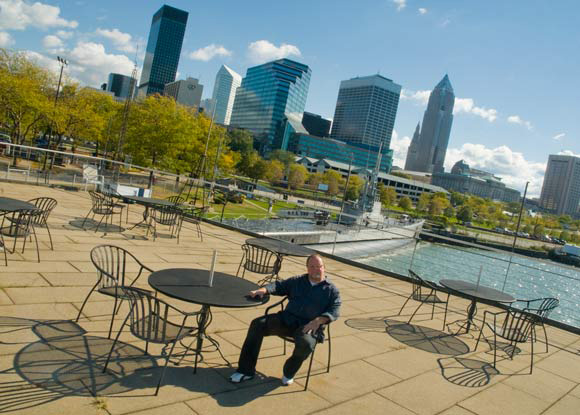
pixel 62 62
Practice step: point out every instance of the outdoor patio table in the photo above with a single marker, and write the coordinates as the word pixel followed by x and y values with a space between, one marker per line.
pixel 148 202
pixel 191 285
pixel 281 247
pixel 476 292
pixel 8 204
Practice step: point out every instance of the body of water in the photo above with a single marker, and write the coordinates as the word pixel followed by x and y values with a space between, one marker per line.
pixel 526 278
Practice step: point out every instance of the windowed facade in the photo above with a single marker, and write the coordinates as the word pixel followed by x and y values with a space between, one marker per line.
pixel 561 187
pixel 227 82
pixel 268 93
pixel 163 50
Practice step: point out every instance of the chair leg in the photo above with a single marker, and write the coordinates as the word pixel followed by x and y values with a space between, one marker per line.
pixel 415 312
pixel 309 369
pixel 36 240
pixel 115 342
pixel 445 315
pixel 532 358
pixel 329 350
pixel 112 318
pixel 49 237
pixel 494 349
pixel 404 304
pixel 84 302
pixel 545 335
pixel 478 337
pixel 86 217
pixel 164 368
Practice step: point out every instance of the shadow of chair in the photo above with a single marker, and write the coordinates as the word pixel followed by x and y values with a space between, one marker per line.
pixel 167 216
pixel 542 307
pixel 425 291
pixel 111 263
pixel 45 205
pixel 148 321
pixel 513 325
pixel 103 205
pixel 18 224
pixel 319 335
pixel 260 261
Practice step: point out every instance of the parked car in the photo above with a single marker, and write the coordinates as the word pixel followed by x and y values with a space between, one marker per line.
pixel 5 138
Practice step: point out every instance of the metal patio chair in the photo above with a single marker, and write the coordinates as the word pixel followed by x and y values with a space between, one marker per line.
pixel 260 261
pixel 170 216
pixel 320 336
pixel 111 263
pixel 45 205
pixel 18 224
pixel 513 325
pixel 148 321
pixel 103 205
pixel 425 292
pixel 541 307
pixel 176 200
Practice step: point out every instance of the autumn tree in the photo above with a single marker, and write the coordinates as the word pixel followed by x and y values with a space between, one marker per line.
pixel 333 179
pixel 297 176
pixel 405 203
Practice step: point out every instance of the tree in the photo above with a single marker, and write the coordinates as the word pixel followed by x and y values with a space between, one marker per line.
pixel 565 235
pixel 457 199
pixel 333 180
pixel 275 171
pixel 405 203
pixel 315 179
pixel 297 176
pixel 387 195
pixel 465 214
pixel 283 156
pixel 258 170
pixel 241 141
pixel 436 206
pixel 400 174
pixel 539 230
pixel 449 211
pixel 355 185
pixel 423 203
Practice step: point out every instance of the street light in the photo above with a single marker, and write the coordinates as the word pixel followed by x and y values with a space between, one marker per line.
pixel 63 62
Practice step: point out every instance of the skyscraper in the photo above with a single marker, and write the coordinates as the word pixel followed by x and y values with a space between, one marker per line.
pixel 561 187
pixel 163 50
pixel 186 92
pixel 365 111
pixel 268 93
pixel 427 150
pixel 226 84
pixel 122 86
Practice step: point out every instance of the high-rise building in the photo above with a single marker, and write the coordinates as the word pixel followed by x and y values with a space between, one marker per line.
pixel 427 150
pixel 268 93
pixel 122 86
pixel 365 111
pixel 226 84
pixel 316 125
pixel 163 50
pixel 186 92
pixel 561 188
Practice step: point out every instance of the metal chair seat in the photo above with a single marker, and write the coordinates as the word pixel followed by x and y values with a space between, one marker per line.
pixel 418 294
pixel 162 330
pixel 117 291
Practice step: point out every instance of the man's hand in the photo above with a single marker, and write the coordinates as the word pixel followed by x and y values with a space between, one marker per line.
pixel 258 293
pixel 313 326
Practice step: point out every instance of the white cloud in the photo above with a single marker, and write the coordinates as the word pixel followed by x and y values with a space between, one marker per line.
pixel 97 63
pixel 122 41
pixel 559 136
pixel 467 105
pixel 262 51
pixel 18 15
pixel 209 52
pixel 400 146
pixel 422 10
pixel 461 105
pixel 568 153
pixel 51 41
pixel 421 97
pixel 63 34
pixel 401 4
pixel 6 40
pixel 516 119
pixel 502 161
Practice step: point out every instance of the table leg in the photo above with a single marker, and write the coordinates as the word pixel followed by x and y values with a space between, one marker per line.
pixel 144 221
pixel 202 325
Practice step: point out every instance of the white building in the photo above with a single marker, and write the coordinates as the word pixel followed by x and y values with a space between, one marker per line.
pixel 187 92
pixel 226 84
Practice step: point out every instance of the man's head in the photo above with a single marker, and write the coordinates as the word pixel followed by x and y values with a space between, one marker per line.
pixel 315 267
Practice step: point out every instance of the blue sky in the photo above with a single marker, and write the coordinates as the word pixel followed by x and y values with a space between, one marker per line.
pixel 514 64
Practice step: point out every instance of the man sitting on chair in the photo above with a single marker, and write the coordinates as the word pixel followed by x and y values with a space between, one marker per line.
pixel 312 301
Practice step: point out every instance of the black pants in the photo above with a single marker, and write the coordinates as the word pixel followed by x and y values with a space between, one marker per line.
pixel 272 325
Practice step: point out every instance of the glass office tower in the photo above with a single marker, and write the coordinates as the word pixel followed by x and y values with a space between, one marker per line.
pixel 365 111
pixel 269 93
pixel 163 50
pixel 122 86
pixel 227 82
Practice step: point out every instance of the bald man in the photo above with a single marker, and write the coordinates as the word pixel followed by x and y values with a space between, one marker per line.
pixel 312 301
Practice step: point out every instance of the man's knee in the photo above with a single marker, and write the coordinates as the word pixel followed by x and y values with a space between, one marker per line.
pixel 258 324
pixel 304 344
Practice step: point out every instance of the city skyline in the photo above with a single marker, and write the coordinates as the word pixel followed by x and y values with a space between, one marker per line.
pixel 503 66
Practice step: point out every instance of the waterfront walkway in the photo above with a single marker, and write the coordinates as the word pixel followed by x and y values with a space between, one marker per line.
pixel 50 365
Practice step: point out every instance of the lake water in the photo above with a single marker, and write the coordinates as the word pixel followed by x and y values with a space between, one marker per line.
pixel 526 278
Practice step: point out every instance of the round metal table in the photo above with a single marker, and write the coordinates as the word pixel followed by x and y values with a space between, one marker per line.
pixel 8 204
pixel 281 247
pixel 476 292
pixel 147 202
pixel 191 285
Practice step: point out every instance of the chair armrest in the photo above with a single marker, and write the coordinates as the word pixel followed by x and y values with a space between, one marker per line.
pixel 279 303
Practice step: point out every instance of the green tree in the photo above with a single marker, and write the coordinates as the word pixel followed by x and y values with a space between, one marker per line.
pixel 333 180
pixel 241 141
pixel 465 214
pixel 405 203
pixel 565 235
pixel 457 199
pixel 355 185
pixel 449 212
pixel 258 170
pixel 539 230
pixel 297 176
pixel 315 179
pixel 285 157
pixel 275 171
pixel 423 203
pixel 401 174
pixel 387 196
pixel 436 206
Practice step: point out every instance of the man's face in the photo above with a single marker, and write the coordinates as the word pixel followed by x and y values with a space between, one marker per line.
pixel 316 268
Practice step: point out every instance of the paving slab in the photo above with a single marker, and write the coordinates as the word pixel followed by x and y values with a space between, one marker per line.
pixel 502 398
pixel 371 403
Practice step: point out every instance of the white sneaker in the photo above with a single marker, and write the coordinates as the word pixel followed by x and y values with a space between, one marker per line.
pixel 238 377
pixel 286 381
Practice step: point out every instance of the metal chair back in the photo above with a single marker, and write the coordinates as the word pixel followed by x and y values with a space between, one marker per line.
pixel 260 260
pixel 111 264
pixel 517 325
pixel 542 306
pixel 418 284
pixel 149 316
pixel 166 215
pixel 45 206
pixel 176 200
pixel 102 204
